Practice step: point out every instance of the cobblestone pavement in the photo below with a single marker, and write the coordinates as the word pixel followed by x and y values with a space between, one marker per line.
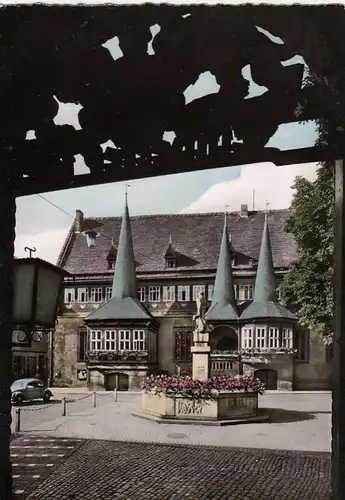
pixel 299 422
pixel 110 470
pixel 34 458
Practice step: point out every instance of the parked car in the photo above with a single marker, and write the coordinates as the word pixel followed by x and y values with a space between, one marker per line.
pixel 27 389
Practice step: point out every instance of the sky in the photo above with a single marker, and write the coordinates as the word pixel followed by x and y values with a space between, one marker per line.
pixel 43 226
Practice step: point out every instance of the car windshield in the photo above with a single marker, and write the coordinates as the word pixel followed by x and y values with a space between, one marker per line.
pixel 17 385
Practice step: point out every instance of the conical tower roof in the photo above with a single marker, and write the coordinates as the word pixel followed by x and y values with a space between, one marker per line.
pixel 123 303
pixel 265 301
pixel 223 306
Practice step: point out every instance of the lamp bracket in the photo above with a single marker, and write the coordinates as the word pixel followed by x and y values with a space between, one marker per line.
pixel 30 250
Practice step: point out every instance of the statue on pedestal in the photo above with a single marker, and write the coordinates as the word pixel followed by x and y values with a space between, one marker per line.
pixel 199 318
pixel 200 348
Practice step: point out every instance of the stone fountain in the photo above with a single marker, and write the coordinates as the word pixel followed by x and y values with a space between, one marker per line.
pixel 224 407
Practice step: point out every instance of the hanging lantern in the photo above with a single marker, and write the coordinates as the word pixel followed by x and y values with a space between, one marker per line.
pixel 36 293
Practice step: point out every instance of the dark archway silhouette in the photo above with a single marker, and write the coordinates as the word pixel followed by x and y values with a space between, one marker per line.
pixel 227 344
pixel 224 338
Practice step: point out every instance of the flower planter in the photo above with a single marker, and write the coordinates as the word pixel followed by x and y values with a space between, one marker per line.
pixel 225 405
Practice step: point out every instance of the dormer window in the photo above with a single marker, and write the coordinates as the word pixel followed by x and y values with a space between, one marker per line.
pixel 170 257
pixel 170 263
pixel 111 257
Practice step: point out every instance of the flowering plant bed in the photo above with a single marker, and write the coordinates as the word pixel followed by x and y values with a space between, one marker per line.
pixel 117 355
pixel 189 388
pixel 254 351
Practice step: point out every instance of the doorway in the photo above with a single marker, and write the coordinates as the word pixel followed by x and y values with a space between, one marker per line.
pixel 122 383
pixel 269 378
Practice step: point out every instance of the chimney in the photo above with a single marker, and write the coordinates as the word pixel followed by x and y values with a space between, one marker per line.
pixel 78 221
pixel 244 211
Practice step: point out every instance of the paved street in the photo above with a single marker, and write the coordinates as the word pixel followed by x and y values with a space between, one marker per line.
pixel 299 422
pixel 33 460
pixel 108 470
pixel 106 453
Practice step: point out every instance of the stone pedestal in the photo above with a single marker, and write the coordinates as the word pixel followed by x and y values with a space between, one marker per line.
pixel 201 356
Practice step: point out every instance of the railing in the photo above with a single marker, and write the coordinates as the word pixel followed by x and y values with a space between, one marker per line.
pixel 231 362
pixel 224 364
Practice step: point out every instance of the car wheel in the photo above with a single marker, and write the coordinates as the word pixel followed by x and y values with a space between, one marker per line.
pixel 46 396
pixel 19 399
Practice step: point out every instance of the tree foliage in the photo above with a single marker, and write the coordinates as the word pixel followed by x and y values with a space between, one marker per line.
pixel 309 285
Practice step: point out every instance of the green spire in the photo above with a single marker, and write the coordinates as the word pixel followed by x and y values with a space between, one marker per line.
pixel 125 283
pixel 223 306
pixel 123 303
pixel 265 301
pixel 265 283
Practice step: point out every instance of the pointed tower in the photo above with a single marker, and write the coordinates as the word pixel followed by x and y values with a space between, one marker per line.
pixel 223 306
pixel 123 304
pixel 125 281
pixel 265 302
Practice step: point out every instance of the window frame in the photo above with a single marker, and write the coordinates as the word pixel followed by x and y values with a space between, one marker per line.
pixel 273 337
pixel 125 338
pixel 108 292
pixel 288 337
pixel 260 334
pixel 80 291
pixel 141 293
pixel 110 340
pixel 139 340
pixel 196 289
pixel 96 336
pixel 167 295
pixel 180 290
pixel 157 290
pixel 247 337
pixel 247 289
pixel 183 349
pixel 94 291
pixel 306 342
pixel 82 343
pixel 69 290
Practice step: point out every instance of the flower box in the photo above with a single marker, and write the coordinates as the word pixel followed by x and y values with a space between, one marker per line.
pixel 218 398
pixel 224 405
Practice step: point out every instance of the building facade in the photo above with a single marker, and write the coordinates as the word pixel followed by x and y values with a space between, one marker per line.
pixel 128 311
pixel 30 359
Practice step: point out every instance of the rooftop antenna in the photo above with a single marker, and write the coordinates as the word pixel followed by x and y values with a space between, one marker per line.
pixel 253 200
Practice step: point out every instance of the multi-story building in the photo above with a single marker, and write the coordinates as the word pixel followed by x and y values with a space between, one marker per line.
pixel 30 359
pixel 128 311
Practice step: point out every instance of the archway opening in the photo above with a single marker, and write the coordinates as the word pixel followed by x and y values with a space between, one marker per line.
pixel 267 377
pixel 119 379
pixel 224 338
pixel 227 343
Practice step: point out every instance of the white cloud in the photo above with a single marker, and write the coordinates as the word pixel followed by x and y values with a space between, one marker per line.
pixel 48 244
pixel 270 184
